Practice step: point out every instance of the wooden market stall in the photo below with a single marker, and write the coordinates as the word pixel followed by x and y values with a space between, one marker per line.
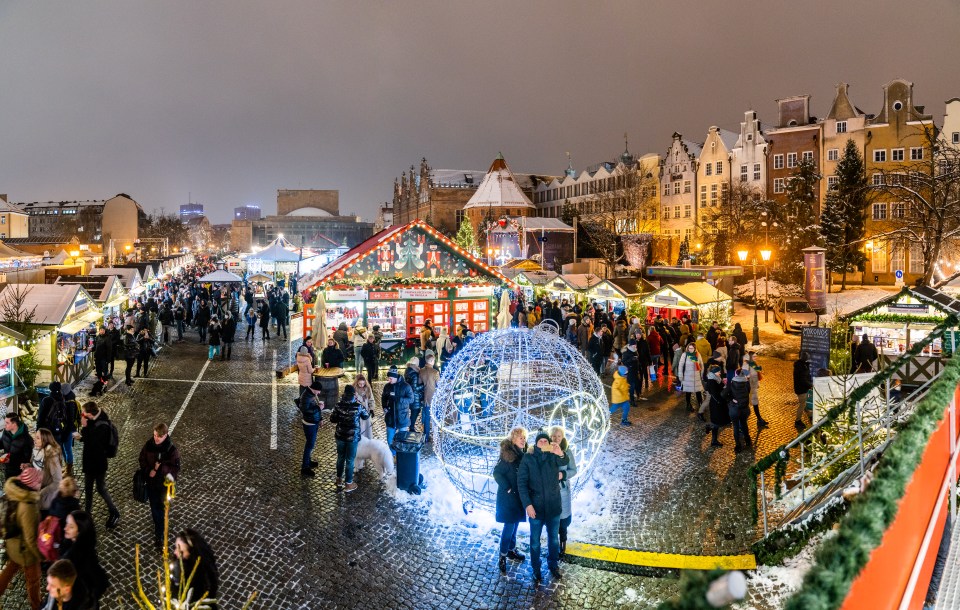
pixel 895 323
pixel 617 294
pixel 64 321
pixel 699 300
pixel 401 277
pixel 107 291
pixel 534 283
pixel 129 277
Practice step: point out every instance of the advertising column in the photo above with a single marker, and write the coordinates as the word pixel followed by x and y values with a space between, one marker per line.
pixel 814 278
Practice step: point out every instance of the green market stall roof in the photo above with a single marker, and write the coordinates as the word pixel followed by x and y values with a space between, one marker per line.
pixel 626 287
pixel 911 304
pixel 685 296
pixel 413 254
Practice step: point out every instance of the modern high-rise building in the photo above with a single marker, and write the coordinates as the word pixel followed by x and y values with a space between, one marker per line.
pixel 190 210
pixel 250 211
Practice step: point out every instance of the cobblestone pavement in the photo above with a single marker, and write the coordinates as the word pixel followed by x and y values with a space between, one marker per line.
pixel 300 544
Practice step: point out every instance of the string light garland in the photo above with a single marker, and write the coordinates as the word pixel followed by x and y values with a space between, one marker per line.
pixel 514 377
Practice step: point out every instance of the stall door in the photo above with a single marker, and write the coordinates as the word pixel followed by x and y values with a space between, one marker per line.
pixel 475 313
pixel 438 312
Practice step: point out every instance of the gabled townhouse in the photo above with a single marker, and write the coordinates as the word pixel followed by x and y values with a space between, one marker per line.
pixel 714 178
pixel 797 136
pixel 844 122
pixel 678 184
pixel 749 155
pixel 897 141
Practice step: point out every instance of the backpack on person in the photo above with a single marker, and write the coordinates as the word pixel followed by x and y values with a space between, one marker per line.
pixel 113 444
pixel 55 416
pixel 49 536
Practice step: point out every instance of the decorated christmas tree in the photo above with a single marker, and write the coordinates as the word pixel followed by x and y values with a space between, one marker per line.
pixel 466 237
pixel 684 252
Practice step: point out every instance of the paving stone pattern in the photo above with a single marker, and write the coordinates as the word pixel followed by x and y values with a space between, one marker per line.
pixel 300 544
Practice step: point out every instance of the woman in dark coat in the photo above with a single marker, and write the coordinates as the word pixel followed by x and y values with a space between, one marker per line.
pixel 510 511
pixel 719 415
pixel 79 545
pixel 189 548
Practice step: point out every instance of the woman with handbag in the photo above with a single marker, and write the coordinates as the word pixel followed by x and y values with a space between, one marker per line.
pixel 689 370
pixel 159 459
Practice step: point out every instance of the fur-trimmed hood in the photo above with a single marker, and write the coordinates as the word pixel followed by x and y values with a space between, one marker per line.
pixel 509 452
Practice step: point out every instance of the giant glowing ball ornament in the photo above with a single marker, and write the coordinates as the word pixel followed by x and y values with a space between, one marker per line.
pixel 514 377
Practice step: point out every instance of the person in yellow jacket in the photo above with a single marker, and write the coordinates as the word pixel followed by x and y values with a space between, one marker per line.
pixel 620 395
pixel 703 348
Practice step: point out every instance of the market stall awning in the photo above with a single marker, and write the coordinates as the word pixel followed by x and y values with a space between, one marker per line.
pixel 220 276
pixel 11 351
pixel 260 277
pixel 907 300
pixel 685 296
pixel 276 253
pixel 80 323
pixel 626 287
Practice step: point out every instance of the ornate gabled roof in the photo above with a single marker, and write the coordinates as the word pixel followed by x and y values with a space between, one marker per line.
pixel 499 188
pixel 842 108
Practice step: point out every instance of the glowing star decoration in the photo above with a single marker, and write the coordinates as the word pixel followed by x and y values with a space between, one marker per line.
pixel 508 378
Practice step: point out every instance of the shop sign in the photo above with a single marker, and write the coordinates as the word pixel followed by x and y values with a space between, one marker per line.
pixel 665 300
pixel 81 305
pixel 816 342
pixel 814 277
pixel 418 293
pixel 391 295
pixel 908 308
pixel 604 292
pixel 560 286
pixel 351 294
pixel 475 291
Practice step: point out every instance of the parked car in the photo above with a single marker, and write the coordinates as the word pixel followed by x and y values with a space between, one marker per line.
pixel 793 313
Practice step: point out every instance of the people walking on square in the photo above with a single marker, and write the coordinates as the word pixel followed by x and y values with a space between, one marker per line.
pixel 202 319
pixel 130 351
pixel 17 443
pixel 214 334
pixel 304 363
pixel 689 370
pixel 738 395
pixel 96 432
pixel 283 317
pixel 656 348
pixel 754 372
pixel 644 361
pixel 264 316
pixel 719 413
pixel 538 482
pixel 371 357
pixel 396 399
pixel 429 376
pixel 364 394
pixel 631 362
pixel 509 508
pixel 160 461
pixel 22 496
pixel 117 352
pixel 228 331
pixel 412 376
pixel 196 559
pixel 347 416
pixel 251 318
pixel 102 353
pixel 144 352
pixel 46 459
pixel 79 546
pixel 595 351
pixel 620 394
pixel 802 383
pixel 567 471
pixel 310 419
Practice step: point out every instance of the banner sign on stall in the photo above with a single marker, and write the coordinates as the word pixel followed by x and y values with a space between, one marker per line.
pixel 296 327
pixel 660 298
pixel 475 291
pixel 815 341
pixel 349 294
pixel 389 295
pixel 418 293
pixel 908 308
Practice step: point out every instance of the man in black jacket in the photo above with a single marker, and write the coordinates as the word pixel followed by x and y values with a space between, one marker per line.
pixel 228 331
pixel 802 383
pixel 595 351
pixel 117 352
pixel 159 459
pixel 396 400
pixel 65 590
pixel 347 416
pixel 95 433
pixel 538 482
pixel 131 349
pixel 102 353
pixel 17 444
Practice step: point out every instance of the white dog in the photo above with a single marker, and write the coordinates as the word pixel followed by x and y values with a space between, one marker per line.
pixel 376 451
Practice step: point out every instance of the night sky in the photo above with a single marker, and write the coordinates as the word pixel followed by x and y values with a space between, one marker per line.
pixel 226 101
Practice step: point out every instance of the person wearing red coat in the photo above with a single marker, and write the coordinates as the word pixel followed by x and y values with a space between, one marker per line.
pixel 653 339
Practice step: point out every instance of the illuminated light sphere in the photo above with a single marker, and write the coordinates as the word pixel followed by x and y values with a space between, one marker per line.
pixel 514 377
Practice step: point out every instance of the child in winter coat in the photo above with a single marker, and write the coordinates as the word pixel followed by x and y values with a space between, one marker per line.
pixel 620 395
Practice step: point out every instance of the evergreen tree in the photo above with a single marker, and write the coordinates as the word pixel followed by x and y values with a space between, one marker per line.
pixel 844 215
pixel 466 237
pixel 798 222
pixel 684 252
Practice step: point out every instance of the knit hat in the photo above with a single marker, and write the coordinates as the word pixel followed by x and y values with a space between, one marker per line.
pixel 622 370
pixel 540 435
pixel 716 355
pixel 393 373
pixel 413 362
pixel 303 350
pixel 32 478
pixel 349 392
pixel 632 342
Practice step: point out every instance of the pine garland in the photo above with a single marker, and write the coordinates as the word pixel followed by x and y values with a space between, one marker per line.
pixel 789 541
pixel 898 318
pixel 841 559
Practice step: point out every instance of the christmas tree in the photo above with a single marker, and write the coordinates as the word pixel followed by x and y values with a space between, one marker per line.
pixel 684 252
pixel 466 238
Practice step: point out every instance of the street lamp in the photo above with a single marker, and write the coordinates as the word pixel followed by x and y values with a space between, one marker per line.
pixel 742 255
pixel 765 254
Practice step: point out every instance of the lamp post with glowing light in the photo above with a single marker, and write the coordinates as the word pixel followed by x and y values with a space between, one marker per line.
pixel 742 255
pixel 766 268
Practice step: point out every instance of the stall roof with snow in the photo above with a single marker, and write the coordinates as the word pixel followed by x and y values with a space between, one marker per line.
pixel 413 254
pixel 130 277
pixel 695 272
pixel 685 296
pixel 581 282
pixel 912 304
pixel 625 287
pixel 540 278
pixel 103 288
pixel 52 304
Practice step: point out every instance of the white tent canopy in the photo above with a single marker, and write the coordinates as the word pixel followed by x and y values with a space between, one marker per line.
pixel 221 276
pixel 275 253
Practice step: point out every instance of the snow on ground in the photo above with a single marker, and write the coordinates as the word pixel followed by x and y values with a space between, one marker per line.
pixel 771 586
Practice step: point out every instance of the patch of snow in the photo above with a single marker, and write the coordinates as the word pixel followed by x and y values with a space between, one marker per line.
pixel 853 299
pixel 771 586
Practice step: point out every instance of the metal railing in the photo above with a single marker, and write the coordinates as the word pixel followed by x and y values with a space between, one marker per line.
pixel 836 451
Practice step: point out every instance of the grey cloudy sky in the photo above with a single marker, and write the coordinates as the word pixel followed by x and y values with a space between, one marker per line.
pixel 232 99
